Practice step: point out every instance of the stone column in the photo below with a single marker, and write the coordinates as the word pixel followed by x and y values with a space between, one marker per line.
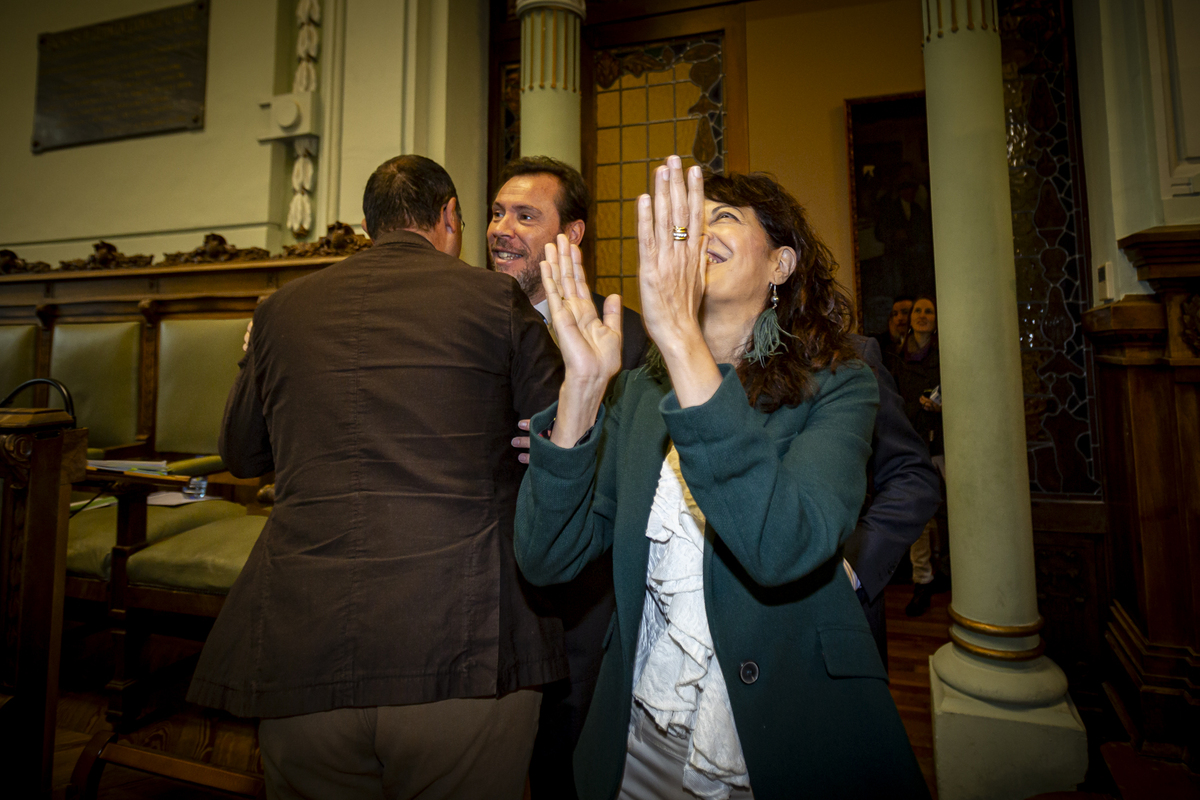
pixel 550 96
pixel 1003 723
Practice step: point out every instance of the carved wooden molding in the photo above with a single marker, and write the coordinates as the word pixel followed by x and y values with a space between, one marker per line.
pixel 1128 332
pixel 1165 253
pixel 1190 323
pixel 1131 331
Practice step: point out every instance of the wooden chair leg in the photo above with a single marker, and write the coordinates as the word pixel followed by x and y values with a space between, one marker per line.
pixel 123 706
pixel 104 749
pixel 125 689
pixel 85 779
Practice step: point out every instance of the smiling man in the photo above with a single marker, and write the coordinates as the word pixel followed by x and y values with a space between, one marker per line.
pixel 539 198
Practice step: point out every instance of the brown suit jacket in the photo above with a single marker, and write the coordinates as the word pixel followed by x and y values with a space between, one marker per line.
pixel 384 392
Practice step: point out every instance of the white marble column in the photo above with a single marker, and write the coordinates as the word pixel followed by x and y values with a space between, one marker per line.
pixel 1004 725
pixel 550 74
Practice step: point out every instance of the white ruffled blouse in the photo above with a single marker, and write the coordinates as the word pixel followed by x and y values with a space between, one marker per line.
pixel 676 679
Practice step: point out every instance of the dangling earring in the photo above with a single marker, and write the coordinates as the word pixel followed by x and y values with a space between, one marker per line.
pixel 768 335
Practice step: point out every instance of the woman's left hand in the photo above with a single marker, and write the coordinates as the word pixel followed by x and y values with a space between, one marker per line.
pixel 930 405
pixel 671 280
pixel 671 272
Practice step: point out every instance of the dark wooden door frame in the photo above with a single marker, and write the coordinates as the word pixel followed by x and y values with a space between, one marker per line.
pixel 852 179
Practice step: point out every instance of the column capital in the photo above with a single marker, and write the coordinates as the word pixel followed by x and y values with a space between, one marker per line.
pixel 952 16
pixel 578 7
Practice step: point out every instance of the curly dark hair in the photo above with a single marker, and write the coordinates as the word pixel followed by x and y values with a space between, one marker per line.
pixel 813 308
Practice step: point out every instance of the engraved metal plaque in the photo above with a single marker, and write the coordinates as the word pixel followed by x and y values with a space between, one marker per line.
pixel 129 77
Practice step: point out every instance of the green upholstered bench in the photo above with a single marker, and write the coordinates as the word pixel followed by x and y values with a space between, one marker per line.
pixel 18 359
pixel 197 366
pixel 100 362
pixel 205 559
pixel 92 534
pixel 198 363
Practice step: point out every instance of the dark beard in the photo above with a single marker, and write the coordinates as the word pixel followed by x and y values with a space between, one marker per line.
pixel 530 279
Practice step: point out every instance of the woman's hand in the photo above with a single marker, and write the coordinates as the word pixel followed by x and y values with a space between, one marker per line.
pixel 671 280
pixel 671 272
pixel 591 347
pixel 931 405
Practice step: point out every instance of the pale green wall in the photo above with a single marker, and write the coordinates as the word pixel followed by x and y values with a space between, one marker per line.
pixel 1117 128
pixel 151 194
pixel 465 150
pixel 372 91
pixel 395 76
pixel 1120 134
pixel 414 80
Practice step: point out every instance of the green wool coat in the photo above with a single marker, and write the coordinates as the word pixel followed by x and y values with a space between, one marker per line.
pixel 780 492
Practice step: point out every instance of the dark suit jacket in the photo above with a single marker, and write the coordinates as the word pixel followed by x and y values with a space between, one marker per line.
pixel 384 391
pixel 585 606
pixel 633 335
pixel 780 491
pixel 906 490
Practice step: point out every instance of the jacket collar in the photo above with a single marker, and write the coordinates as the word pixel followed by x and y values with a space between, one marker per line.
pixel 402 237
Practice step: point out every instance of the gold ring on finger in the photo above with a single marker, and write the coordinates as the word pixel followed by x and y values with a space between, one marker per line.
pixel 679 233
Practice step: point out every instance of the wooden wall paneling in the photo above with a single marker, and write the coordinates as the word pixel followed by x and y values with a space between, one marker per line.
pixel 1124 545
pixel 1187 415
pixel 248 277
pixel 1070 551
pixel 1149 355
pixel 77 291
pixel 1164 579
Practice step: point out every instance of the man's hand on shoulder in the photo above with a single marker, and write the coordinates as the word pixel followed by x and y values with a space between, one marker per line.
pixel 522 442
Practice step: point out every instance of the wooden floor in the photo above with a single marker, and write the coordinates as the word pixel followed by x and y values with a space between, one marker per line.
pixel 217 738
pixel 911 641
pixel 194 733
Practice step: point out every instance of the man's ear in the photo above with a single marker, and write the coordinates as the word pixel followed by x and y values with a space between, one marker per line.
pixel 450 215
pixel 574 231
pixel 785 265
pixel 364 227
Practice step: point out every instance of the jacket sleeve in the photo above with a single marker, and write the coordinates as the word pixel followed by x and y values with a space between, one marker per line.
pixel 907 488
pixel 567 504
pixel 537 367
pixel 781 515
pixel 244 441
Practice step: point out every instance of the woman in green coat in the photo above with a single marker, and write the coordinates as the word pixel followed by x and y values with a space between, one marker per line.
pixel 725 476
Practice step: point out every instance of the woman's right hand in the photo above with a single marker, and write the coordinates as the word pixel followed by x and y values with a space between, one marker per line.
pixel 591 346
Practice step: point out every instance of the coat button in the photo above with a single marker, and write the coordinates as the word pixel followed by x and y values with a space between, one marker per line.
pixel 748 672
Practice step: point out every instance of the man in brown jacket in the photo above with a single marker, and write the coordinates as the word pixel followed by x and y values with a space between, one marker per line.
pixel 380 627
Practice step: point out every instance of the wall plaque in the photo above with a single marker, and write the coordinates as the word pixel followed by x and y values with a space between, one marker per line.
pixel 130 77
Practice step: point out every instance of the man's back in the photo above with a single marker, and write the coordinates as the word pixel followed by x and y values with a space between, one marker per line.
pixel 384 391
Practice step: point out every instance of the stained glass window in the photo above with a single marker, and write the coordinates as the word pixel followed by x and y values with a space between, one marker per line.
pixel 652 101
pixel 1049 233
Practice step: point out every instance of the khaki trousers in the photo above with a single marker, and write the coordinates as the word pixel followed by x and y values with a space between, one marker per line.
pixel 460 748
pixel 921 552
